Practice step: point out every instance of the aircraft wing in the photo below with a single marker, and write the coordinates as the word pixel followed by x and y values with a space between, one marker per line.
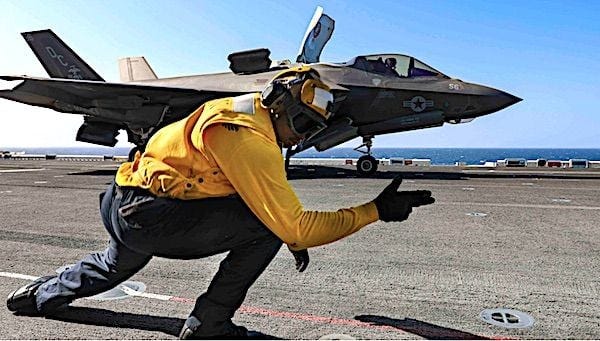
pixel 108 107
pixel 121 103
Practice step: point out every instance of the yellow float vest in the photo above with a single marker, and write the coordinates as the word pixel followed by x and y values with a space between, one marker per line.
pixel 175 163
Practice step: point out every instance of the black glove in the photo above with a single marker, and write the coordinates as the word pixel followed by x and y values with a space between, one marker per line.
pixel 301 258
pixel 396 206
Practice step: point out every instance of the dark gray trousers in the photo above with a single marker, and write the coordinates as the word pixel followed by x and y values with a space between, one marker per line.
pixel 141 226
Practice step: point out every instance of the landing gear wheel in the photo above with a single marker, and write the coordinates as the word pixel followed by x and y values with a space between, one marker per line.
pixel 366 165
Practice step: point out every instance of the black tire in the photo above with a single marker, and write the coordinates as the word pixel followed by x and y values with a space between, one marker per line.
pixel 366 165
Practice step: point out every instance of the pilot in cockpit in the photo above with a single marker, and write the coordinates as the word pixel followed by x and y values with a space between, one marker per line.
pixel 390 64
pixel 387 67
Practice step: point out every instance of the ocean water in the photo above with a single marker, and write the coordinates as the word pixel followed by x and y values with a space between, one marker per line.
pixel 438 156
pixel 472 156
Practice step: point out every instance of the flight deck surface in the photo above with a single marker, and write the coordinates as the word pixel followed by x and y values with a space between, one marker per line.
pixel 516 240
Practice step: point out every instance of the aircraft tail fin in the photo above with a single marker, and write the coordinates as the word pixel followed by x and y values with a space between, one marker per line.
pixel 57 57
pixel 135 69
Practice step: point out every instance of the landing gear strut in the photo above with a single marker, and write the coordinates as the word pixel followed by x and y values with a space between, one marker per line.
pixel 288 155
pixel 139 138
pixel 366 164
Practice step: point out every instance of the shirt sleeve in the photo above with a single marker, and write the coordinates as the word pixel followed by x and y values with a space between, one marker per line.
pixel 255 167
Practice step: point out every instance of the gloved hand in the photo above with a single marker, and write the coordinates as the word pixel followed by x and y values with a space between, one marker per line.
pixel 396 206
pixel 302 259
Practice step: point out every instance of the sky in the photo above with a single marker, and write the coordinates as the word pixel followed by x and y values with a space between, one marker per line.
pixel 546 52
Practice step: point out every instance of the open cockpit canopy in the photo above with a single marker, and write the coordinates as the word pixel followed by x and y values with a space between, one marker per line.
pixel 394 65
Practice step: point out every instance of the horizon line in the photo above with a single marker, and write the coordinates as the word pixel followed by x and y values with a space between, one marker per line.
pixel 378 148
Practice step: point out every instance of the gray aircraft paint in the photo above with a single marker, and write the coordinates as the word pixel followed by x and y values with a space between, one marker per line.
pixel 375 94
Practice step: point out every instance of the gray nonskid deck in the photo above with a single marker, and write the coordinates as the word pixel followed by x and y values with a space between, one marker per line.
pixel 537 250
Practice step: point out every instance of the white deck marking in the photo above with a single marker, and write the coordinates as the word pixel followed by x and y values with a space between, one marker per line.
pixel 126 289
pixel 272 313
pixel 562 207
pixel 131 292
pixel 538 186
pixel 22 170
pixel 19 276
pixel 245 309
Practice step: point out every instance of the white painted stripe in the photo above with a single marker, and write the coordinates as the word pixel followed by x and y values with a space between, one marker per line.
pixel 22 170
pixel 19 276
pixel 261 311
pixel 539 186
pixel 553 207
pixel 131 292
pixel 125 289
pixel 40 182
pixel 155 296
pixel 540 172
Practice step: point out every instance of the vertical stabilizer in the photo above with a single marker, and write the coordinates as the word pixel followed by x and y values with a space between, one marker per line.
pixel 57 58
pixel 135 69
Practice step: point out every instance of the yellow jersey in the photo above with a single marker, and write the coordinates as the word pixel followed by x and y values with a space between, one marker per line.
pixel 229 146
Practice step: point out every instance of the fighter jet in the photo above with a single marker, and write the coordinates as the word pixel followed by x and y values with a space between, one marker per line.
pixel 374 94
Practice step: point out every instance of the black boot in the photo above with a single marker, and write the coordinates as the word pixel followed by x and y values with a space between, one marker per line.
pixel 22 301
pixel 192 330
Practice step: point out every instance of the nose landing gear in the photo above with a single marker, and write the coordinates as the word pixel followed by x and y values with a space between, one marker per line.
pixel 366 164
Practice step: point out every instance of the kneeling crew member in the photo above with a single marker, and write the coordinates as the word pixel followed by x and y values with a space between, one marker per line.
pixel 215 182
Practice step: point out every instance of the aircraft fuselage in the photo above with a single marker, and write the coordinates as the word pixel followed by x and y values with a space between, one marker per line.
pixel 375 104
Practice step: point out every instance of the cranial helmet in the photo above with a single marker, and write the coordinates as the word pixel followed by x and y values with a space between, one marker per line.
pixel 301 94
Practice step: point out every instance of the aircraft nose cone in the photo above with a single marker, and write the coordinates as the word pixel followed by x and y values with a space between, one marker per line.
pixel 504 99
pixel 491 100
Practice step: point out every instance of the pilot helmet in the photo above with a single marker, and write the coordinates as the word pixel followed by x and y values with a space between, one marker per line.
pixel 305 99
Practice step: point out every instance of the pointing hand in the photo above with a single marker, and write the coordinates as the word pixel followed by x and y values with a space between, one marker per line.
pixel 393 205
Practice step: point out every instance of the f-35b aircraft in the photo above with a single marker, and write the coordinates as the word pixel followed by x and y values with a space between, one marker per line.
pixel 374 94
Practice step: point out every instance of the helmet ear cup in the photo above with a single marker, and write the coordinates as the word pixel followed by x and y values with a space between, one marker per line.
pixel 273 94
pixel 303 98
